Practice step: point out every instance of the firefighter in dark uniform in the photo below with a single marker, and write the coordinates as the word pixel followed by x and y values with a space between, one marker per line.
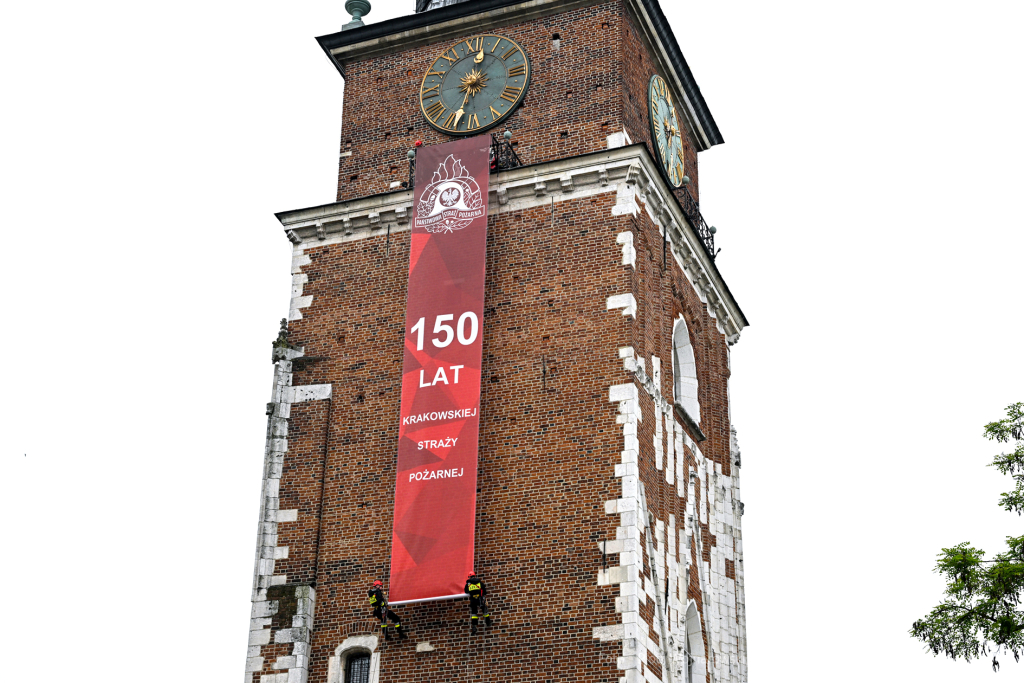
pixel 477 591
pixel 379 603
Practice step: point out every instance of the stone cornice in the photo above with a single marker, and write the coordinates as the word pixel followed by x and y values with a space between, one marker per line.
pixel 630 172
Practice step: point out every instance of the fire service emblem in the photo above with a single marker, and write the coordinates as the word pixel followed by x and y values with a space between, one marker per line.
pixel 451 201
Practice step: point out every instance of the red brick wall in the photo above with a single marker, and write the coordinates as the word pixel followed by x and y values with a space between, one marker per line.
pixel 547 453
pixel 301 482
pixel 574 90
pixel 548 449
pixel 579 94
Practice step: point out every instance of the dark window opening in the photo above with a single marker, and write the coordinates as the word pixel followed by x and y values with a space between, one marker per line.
pixel 357 669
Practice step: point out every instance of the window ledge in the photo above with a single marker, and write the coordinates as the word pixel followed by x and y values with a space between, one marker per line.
pixel 691 424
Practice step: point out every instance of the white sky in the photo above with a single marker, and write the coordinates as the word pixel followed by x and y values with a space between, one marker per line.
pixel 868 207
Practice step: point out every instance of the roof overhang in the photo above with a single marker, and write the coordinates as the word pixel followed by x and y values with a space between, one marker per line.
pixel 455 20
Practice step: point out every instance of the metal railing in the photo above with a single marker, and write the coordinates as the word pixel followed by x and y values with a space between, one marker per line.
pixel 705 233
pixel 503 155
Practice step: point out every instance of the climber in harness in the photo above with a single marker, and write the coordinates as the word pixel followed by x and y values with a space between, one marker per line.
pixel 477 591
pixel 379 603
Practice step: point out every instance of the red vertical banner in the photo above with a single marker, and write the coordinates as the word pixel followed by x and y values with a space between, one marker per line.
pixel 435 493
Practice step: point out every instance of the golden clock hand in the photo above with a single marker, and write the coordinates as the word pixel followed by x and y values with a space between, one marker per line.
pixel 462 110
pixel 479 58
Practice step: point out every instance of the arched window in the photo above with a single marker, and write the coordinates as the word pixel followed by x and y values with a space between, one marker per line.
pixel 356 660
pixel 357 668
pixel 684 371
pixel 693 656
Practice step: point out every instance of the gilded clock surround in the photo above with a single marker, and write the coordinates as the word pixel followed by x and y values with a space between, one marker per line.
pixel 666 132
pixel 475 84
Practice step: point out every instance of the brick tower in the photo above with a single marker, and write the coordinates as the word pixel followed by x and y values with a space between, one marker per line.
pixel 607 501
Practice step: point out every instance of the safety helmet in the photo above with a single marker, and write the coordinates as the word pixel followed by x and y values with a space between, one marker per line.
pixel 378 583
pixel 471 575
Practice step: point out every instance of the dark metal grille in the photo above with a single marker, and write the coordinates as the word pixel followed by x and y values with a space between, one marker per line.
pixel 503 155
pixel 357 669
pixel 692 211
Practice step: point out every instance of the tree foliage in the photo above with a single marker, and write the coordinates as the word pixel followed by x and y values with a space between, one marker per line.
pixel 982 609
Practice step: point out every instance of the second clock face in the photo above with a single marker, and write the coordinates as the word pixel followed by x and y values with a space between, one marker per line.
pixel 475 85
pixel 668 137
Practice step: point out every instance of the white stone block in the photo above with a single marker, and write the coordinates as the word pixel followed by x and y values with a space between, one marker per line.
pixel 613 575
pixel 630 487
pixel 284 662
pixel 424 647
pixel 301 301
pixel 627 603
pixel 625 663
pixel 627 469
pixel 310 392
pixel 627 302
pixel 281 552
pixel 298 262
pixel 254 664
pixel 628 250
pixel 264 609
pixel 608 633
pixel 622 392
pixel 297 676
pixel 261 637
pixel 610 547
pixel 287 515
pixel 292 635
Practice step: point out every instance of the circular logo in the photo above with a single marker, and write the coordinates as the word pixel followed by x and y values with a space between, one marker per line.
pixel 451 201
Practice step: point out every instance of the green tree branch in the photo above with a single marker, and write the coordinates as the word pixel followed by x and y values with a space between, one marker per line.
pixel 981 610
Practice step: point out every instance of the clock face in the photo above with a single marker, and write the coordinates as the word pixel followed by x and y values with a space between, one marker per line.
pixel 475 85
pixel 668 137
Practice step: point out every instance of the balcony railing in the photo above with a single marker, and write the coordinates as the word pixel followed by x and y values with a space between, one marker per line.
pixel 705 233
pixel 503 157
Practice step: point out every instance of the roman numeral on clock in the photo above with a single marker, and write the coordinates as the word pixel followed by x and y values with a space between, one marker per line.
pixel 435 110
pixel 494 112
pixel 426 93
pixel 451 121
pixel 510 94
pixel 510 53
pixel 436 73
pixel 475 44
pixel 517 71
pixel 472 122
pixel 452 59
